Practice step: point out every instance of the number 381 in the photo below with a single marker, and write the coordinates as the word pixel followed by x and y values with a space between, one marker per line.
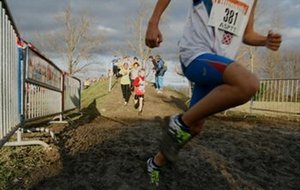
pixel 231 16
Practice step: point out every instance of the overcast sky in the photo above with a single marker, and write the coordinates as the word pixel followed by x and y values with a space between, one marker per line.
pixel 111 17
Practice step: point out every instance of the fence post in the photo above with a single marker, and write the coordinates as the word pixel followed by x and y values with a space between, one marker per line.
pixel 62 96
pixel 9 67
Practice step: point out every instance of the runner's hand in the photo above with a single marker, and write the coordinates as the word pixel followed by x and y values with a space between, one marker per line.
pixel 153 36
pixel 273 41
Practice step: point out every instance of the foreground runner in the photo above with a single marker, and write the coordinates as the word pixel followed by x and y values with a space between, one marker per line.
pixel 212 35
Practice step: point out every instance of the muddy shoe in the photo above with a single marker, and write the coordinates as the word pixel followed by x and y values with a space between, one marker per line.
pixel 175 136
pixel 153 171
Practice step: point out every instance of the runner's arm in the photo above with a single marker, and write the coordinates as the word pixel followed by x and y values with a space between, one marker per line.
pixel 153 34
pixel 250 36
pixel 271 41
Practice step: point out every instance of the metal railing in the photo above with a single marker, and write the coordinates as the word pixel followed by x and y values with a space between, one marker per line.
pixel 9 76
pixel 72 91
pixel 278 95
pixel 43 86
pixel 31 86
pixel 45 90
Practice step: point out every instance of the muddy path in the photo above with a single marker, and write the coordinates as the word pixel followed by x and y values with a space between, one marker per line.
pixel 109 150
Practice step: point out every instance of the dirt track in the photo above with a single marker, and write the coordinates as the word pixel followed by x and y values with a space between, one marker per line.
pixel 110 151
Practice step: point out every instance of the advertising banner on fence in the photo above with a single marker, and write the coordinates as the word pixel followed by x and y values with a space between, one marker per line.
pixel 40 70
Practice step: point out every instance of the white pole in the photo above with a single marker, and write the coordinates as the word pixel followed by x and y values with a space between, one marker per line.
pixel 110 75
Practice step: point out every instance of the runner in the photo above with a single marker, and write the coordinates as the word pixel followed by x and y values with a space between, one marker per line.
pixel 139 91
pixel 212 35
pixel 134 72
pixel 125 82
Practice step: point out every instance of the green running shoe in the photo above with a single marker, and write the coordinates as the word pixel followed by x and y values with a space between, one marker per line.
pixel 153 172
pixel 174 138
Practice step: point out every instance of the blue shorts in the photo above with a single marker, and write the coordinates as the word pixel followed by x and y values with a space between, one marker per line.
pixel 206 72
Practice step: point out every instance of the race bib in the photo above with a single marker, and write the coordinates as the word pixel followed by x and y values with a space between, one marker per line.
pixel 229 15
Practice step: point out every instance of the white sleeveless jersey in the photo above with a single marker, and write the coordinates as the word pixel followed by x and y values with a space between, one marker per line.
pixel 214 26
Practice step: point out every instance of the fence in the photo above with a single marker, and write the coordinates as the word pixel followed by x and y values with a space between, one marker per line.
pixel 43 86
pixel 31 86
pixel 9 76
pixel 71 93
pixel 278 95
pixel 275 97
pixel 48 90
pixel 45 90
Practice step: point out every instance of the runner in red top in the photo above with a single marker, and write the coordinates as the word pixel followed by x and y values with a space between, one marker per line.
pixel 139 91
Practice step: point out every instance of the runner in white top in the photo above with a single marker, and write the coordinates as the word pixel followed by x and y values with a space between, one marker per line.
pixel 212 35
pixel 229 20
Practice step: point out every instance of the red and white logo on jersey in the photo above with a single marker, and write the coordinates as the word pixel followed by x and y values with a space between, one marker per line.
pixel 227 38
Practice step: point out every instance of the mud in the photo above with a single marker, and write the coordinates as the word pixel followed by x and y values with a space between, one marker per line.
pixel 109 152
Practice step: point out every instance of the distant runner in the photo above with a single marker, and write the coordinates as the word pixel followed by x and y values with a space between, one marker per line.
pixel 139 91
pixel 212 35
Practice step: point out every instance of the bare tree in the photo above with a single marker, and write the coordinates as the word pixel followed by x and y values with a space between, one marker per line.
pixel 137 28
pixel 74 42
pixel 79 43
pixel 291 59
pixel 274 67
pixel 266 63
pixel 248 55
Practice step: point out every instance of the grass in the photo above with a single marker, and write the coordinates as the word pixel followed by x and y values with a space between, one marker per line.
pixel 95 92
pixel 16 164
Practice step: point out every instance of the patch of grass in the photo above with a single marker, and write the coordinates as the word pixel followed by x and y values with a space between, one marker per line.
pixel 16 163
pixel 94 92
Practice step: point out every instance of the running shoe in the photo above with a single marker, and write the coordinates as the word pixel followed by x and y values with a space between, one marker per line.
pixel 175 136
pixel 153 171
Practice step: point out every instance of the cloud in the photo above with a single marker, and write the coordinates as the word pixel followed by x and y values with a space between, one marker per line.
pixel 112 19
pixel 291 36
pixel 107 29
pixel 292 32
